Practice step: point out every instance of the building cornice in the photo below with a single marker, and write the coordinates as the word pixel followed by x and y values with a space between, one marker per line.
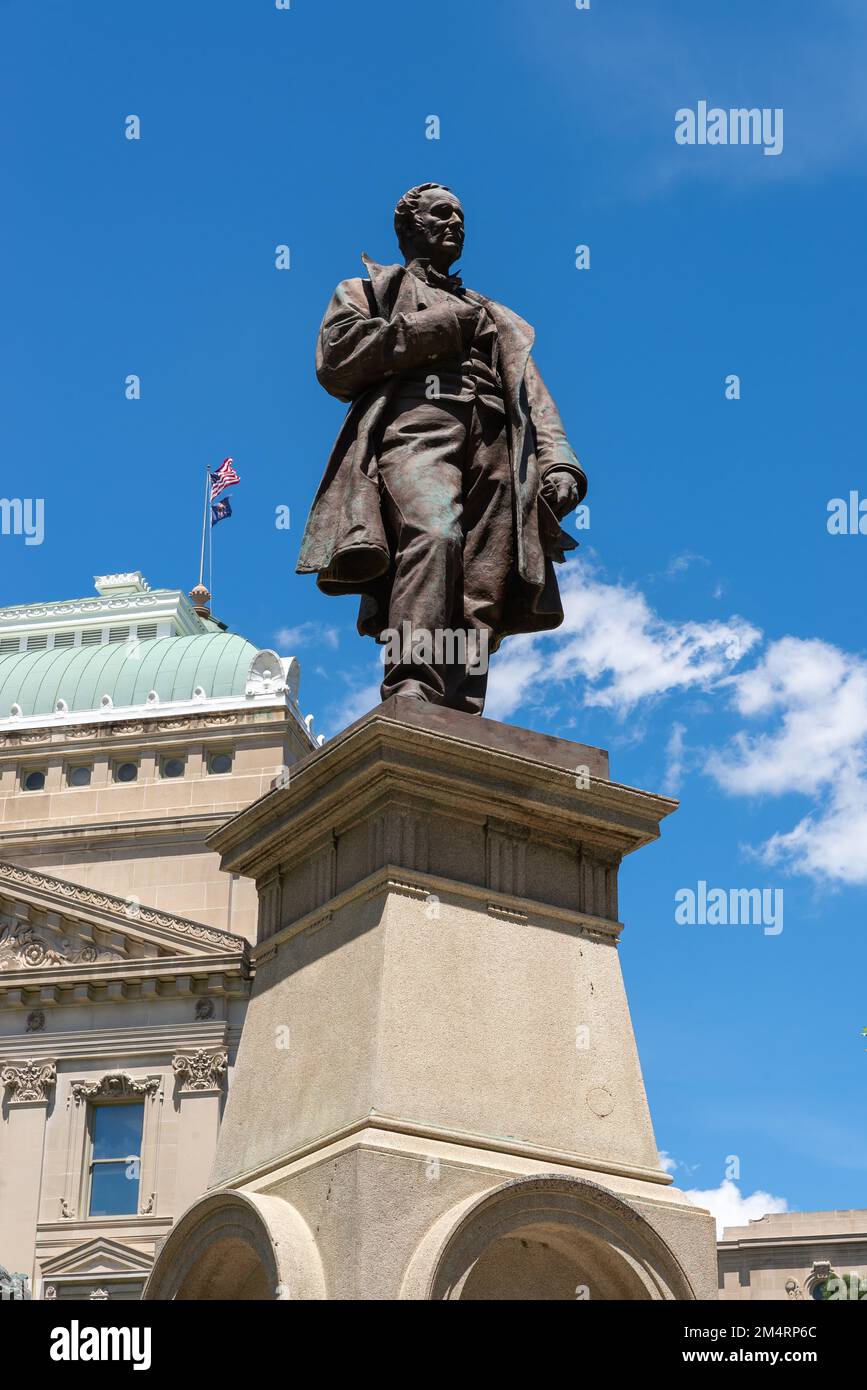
pixel 156 603
pixel 117 983
pixel 801 1240
pixel 135 1045
pixel 130 720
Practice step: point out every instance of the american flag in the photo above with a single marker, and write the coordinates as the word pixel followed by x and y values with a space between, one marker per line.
pixel 224 477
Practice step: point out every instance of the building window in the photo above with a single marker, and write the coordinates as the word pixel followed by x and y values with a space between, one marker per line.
pixel 219 764
pixel 115 1159
pixel 125 772
pixel 80 775
pixel 172 767
pixel 34 779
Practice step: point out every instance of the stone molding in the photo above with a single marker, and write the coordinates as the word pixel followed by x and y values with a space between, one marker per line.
pixel 29 1081
pixel 427 886
pixel 200 1071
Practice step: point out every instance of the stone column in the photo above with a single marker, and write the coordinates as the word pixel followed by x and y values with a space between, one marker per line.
pixel 199 1093
pixel 27 1092
pixel 437 1073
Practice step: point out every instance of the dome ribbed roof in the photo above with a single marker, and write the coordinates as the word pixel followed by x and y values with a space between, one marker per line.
pixel 127 671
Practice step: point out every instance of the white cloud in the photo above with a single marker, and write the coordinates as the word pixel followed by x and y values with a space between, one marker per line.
pixel 818 696
pixel 666 1162
pixel 803 703
pixel 679 564
pixel 307 635
pixel 831 845
pixel 675 759
pixel 730 1207
pixel 624 652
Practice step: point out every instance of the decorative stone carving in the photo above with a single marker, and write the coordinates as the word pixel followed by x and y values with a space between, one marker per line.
pixel 35 1021
pixel 115 1085
pixel 14 1288
pixel 11 873
pixel 67 1212
pixel 21 947
pixel 29 1081
pixel 204 1009
pixel 84 607
pixel 200 1071
pixel 128 583
pixel 270 674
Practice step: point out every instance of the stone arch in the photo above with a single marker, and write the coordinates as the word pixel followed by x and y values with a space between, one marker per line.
pixel 240 1246
pixel 550 1237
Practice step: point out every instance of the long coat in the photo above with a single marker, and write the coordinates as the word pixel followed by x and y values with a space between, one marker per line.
pixel 374 330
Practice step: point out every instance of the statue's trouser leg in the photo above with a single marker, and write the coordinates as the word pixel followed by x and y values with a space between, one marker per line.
pixel 488 549
pixel 447 505
pixel 420 459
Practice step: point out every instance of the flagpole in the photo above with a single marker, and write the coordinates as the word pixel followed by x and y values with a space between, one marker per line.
pixel 204 523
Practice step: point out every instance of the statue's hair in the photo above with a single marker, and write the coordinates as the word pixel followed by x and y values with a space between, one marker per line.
pixel 404 213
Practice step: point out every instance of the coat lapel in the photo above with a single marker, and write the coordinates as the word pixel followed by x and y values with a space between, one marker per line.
pixel 386 281
pixel 516 339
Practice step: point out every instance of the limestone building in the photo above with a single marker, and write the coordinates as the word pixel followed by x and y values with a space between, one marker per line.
pixel 792 1255
pixel 132 725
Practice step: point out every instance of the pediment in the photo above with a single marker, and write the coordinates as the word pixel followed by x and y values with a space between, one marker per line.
pixel 96 1257
pixel 49 924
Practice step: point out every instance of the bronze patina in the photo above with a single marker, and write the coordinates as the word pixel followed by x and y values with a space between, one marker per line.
pixel 442 500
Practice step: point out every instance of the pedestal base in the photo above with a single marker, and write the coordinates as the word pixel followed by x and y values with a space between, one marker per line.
pixel 437 1092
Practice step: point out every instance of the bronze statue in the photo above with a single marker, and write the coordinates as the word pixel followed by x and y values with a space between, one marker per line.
pixel 442 499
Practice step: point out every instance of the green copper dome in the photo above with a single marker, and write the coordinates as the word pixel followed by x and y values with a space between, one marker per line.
pixel 175 667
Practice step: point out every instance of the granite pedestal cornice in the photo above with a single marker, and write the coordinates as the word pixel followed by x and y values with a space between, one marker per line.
pixel 431 791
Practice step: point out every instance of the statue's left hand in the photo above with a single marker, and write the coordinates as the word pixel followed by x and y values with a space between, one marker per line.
pixel 560 490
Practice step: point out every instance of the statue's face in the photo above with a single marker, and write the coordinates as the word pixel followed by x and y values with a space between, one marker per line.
pixel 439 222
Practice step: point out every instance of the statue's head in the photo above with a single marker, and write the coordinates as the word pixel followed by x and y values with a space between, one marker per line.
pixel 429 222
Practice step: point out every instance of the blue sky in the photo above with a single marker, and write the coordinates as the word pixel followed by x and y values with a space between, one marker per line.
pixel 715 638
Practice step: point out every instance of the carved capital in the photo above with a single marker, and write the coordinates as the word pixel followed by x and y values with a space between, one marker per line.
pixel 200 1071
pixel 29 1081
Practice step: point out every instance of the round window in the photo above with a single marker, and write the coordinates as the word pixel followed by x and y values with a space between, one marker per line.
pixel 173 767
pixel 126 772
pixel 220 763
pixel 34 781
pixel 80 776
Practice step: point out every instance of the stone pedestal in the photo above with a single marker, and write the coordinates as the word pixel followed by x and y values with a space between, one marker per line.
pixel 437 1091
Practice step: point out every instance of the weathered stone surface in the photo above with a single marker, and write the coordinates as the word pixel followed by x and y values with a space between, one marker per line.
pixel 437 1071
